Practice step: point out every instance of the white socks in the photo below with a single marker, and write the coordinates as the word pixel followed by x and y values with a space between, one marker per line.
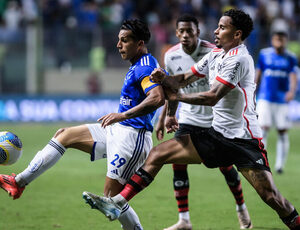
pixel 240 207
pixel 42 161
pixel 129 219
pixel 184 215
pixel 119 200
pixel 282 150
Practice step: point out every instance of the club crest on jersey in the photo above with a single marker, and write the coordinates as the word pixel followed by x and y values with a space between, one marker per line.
pixel 125 101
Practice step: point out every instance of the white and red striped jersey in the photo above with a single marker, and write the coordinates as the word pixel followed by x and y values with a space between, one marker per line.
pixel 234 114
pixel 178 62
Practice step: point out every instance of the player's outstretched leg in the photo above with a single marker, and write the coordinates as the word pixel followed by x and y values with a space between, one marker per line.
pixel 264 185
pixel 181 190
pixel 43 160
pixel 8 183
pixel 234 183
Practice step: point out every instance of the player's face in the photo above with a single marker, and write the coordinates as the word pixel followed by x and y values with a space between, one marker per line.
pixel 279 41
pixel 225 34
pixel 127 45
pixel 188 33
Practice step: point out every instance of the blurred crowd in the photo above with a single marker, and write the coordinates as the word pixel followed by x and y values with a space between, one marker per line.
pixel 83 33
pixel 99 20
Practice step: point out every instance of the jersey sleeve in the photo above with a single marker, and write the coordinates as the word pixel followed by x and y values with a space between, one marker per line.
pixel 201 69
pixel 233 71
pixel 168 65
pixel 143 76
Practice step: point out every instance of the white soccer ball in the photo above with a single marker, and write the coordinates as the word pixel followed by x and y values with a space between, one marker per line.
pixel 10 148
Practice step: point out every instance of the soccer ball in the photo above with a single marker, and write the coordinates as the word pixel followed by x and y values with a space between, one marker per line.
pixel 10 148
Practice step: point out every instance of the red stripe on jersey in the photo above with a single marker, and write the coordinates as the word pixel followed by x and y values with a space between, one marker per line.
pixel 233 52
pixel 173 48
pixel 217 50
pixel 196 72
pixel 260 144
pixel 225 82
pixel 207 44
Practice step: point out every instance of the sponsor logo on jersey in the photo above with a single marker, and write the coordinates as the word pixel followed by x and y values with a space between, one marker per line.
pixel 275 73
pixel 203 66
pixel 234 71
pixel 176 57
pixel 260 161
pixel 115 171
pixel 179 69
pixel 125 101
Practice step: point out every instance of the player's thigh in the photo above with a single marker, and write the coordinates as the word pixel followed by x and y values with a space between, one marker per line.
pixel 78 137
pixel 179 150
pixel 282 120
pixel 264 111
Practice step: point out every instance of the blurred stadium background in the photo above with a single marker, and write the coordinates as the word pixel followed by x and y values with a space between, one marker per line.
pixel 58 57
pixel 59 63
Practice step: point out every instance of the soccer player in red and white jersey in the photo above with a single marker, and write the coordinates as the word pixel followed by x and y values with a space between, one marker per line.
pixel 235 136
pixel 178 59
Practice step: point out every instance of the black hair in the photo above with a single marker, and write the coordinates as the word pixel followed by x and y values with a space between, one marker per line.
pixel 187 18
pixel 241 21
pixel 280 33
pixel 139 29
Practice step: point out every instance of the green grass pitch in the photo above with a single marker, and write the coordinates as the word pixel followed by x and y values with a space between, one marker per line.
pixel 54 201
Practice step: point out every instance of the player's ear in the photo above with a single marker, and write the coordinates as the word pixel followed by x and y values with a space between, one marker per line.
pixel 238 34
pixel 141 43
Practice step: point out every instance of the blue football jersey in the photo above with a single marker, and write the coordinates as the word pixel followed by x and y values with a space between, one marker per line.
pixel 275 70
pixel 136 85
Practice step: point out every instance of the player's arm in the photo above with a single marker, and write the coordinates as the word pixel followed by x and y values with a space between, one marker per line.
pixel 258 75
pixel 155 98
pixel 293 87
pixel 258 72
pixel 210 98
pixel 173 82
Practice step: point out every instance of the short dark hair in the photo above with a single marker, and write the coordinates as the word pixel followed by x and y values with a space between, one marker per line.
pixel 280 33
pixel 241 21
pixel 139 29
pixel 187 18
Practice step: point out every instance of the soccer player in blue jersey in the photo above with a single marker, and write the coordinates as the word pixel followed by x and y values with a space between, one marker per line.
pixel 276 82
pixel 125 138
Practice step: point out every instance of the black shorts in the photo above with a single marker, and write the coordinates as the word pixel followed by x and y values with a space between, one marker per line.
pixel 219 151
pixel 185 129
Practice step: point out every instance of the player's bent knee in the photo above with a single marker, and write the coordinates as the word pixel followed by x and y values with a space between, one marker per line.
pixel 155 157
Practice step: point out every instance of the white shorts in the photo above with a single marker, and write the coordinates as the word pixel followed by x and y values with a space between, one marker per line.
pixel 127 149
pixel 273 114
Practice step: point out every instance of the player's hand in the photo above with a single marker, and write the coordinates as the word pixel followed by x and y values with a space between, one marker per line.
pixel 289 96
pixel 157 75
pixel 160 129
pixel 171 124
pixel 111 118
